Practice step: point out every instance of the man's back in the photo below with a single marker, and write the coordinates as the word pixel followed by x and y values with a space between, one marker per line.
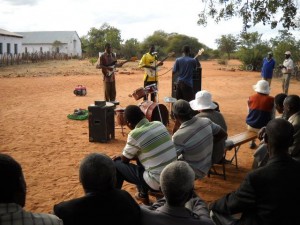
pixel 115 206
pixel 194 140
pixel 269 195
pixel 184 67
pixel 218 147
pixel 14 214
pixel 152 143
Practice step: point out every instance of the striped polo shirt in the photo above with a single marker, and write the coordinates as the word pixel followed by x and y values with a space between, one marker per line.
pixel 194 141
pixel 152 144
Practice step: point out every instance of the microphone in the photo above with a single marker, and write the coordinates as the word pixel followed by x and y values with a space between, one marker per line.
pixel 154 53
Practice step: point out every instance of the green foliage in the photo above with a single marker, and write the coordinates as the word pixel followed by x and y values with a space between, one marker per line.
pixel 130 48
pixel 252 50
pixel 97 38
pixel 93 60
pixel 272 12
pixel 227 44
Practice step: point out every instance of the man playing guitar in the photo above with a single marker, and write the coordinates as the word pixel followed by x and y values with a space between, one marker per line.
pixel 107 63
pixel 148 61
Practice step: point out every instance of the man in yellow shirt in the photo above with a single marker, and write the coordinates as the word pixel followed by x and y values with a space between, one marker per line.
pixel 149 62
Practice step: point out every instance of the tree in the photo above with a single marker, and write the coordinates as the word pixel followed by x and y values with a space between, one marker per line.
pixel 177 41
pixel 130 48
pixel 227 44
pixel 251 12
pixel 252 49
pixel 97 38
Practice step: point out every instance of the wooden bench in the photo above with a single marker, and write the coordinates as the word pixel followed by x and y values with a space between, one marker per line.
pixel 238 140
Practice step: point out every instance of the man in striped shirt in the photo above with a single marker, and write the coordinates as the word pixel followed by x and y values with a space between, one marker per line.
pixel 195 138
pixel 150 144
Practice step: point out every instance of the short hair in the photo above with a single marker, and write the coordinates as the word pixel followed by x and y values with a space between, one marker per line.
pixel 293 101
pixel 177 182
pixel 133 114
pixel 279 135
pixel 186 49
pixel 279 99
pixel 12 179
pixel 97 172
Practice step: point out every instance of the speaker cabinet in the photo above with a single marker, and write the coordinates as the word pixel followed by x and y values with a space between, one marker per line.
pixel 101 123
pixel 197 81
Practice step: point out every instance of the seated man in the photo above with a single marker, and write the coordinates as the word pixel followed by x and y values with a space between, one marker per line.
pixel 180 205
pixel 260 108
pixel 150 144
pixel 194 138
pixel 260 155
pixel 292 107
pixel 269 195
pixel 207 108
pixel 13 196
pixel 102 201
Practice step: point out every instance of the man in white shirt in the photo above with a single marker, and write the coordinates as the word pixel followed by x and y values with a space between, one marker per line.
pixel 286 69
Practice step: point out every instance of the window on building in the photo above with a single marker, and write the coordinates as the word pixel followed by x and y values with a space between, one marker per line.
pixel 41 49
pixel 57 49
pixel 16 48
pixel 1 48
pixel 25 50
pixel 8 48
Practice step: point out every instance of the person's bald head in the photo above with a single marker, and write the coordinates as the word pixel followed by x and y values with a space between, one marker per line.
pixel 177 182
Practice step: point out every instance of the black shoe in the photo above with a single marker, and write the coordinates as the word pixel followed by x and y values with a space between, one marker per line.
pixel 252 145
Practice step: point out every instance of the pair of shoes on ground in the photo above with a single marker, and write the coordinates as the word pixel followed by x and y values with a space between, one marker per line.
pixel 144 199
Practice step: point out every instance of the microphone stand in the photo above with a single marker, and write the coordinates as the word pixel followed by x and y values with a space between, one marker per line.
pixel 156 93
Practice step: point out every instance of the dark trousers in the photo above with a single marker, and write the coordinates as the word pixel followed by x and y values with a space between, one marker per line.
pixel 153 95
pixel 184 91
pixel 132 174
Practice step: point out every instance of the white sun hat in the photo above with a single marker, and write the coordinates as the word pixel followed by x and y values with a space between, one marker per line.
pixel 262 86
pixel 287 53
pixel 202 101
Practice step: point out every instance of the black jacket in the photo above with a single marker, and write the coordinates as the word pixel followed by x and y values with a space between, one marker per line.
pixel 114 207
pixel 269 195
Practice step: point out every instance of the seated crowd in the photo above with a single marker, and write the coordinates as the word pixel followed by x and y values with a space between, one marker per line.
pixel 166 165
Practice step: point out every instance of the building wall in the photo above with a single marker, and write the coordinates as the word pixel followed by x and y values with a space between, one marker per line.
pixel 4 40
pixel 72 48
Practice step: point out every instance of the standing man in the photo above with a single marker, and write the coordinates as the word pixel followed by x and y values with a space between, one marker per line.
pixel 183 68
pixel 286 69
pixel 268 67
pixel 151 146
pixel 149 62
pixel 108 62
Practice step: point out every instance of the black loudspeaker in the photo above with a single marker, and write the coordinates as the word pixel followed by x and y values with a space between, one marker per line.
pixel 101 122
pixel 197 81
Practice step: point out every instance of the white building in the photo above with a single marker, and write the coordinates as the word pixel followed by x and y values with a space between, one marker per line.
pixel 10 43
pixel 67 42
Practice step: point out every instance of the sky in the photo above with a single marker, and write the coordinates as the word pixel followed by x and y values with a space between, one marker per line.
pixel 134 19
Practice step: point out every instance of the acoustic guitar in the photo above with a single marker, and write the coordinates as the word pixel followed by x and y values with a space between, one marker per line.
pixel 152 72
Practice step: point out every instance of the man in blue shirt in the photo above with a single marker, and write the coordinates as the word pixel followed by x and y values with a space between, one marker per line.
pixel 268 67
pixel 183 69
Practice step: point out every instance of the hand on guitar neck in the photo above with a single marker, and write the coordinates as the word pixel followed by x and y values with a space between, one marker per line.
pixel 151 70
pixel 108 70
